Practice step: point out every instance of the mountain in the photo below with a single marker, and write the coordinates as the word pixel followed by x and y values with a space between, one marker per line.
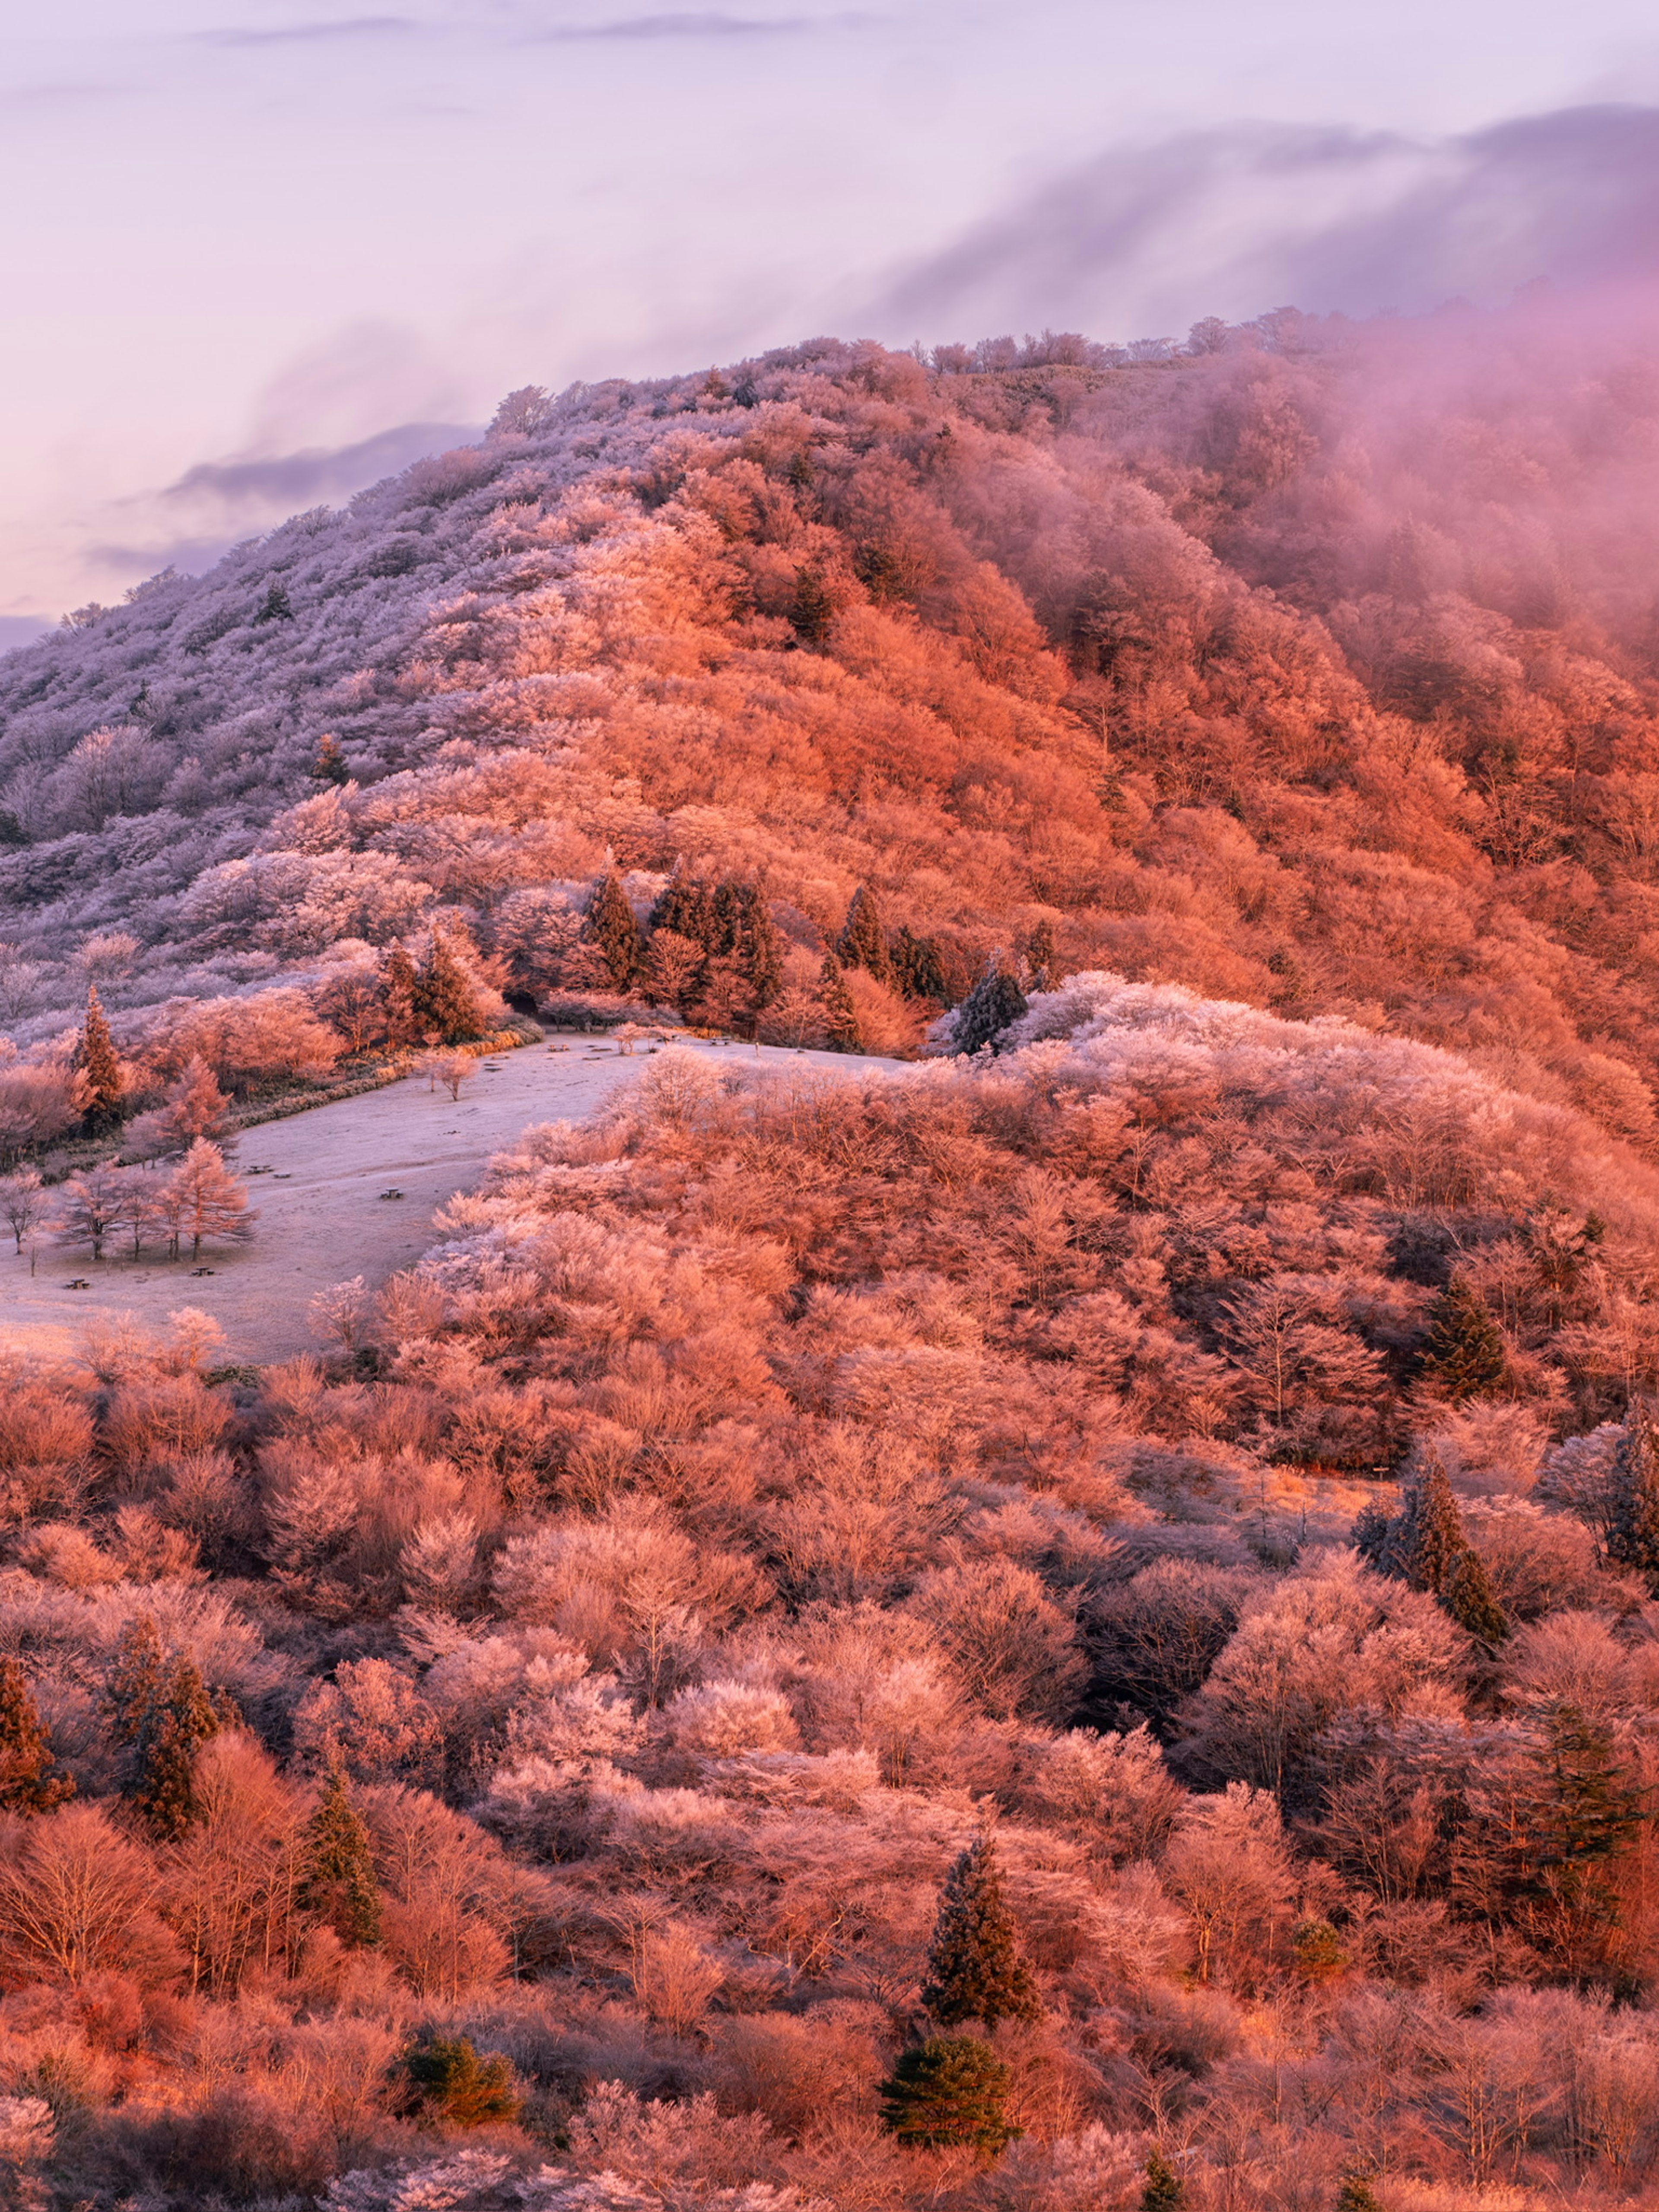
pixel 1069 1626
pixel 1312 666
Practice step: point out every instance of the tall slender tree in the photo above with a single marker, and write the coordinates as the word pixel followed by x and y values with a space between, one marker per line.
pixel 683 906
pixel 336 1880
pixel 917 971
pixel 1424 1544
pixel 446 1004
pixel 975 1971
pixel 28 1782
pixel 100 1067
pixel 863 940
pixel 841 1017
pixel 161 1714
pixel 398 984
pixel 610 928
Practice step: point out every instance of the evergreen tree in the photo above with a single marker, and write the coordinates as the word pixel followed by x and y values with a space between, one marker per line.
pixel 951 2090
pixel 1431 1537
pixel 611 929
pixel 1164 2190
pixel 27 1783
pixel 278 607
pixel 1465 1355
pixel 448 2080
pixel 863 941
pixel 329 763
pixel 337 1879
pixel 100 1067
pixel 1357 2195
pixel 975 1971
pixel 685 907
pixel 918 972
pixel 397 988
pixel 445 1002
pixel 1042 958
pixel 995 1001
pixel 1425 1546
pixel 1589 1810
pixel 1631 1538
pixel 841 1017
pixel 739 927
pixel 814 609
pixel 1468 1596
pixel 161 1714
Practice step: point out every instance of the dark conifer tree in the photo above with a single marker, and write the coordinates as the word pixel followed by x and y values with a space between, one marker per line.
pixel 952 2089
pixel 685 907
pixel 165 1751
pixel 448 2080
pixel 739 926
pixel 1632 1524
pixel 863 940
pixel 763 954
pixel 27 1783
pixel 1465 1355
pixel 814 609
pixel 399 982
pixel 1165 2191
pixel 1468 1596
pixel 100 1066
pixel 611 929
pixel 917 971
pixel 278 607
pixel 337 1879
pixel 975 1971
pixel 329 765
pixel 841 1017
pixel 1431 1536
pixel 445 1001
pixel 1424 1544
pixel 1042 958
pixel 135 1681
pixel 1357 2195
pixel 995 1002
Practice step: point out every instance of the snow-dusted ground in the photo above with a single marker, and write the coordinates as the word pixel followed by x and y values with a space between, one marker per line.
pixel 321 1215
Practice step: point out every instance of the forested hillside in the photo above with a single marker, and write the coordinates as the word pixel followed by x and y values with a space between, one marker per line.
pixel 1311 666
pixel 1069 1627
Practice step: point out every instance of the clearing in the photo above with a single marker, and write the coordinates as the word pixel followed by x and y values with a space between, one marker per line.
pixel 322 1218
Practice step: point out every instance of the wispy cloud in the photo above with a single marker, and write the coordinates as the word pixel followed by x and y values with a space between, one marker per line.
pixel 706 25
pixel 1230 222
pixel 356 26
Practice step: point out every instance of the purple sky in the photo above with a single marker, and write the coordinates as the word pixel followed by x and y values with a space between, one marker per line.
pixel 259 251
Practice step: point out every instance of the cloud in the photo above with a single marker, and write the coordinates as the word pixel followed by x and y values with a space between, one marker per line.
pixel 1234 221
pixel 190 523
pixel 356 26
pixel 289 478
pixel 703 26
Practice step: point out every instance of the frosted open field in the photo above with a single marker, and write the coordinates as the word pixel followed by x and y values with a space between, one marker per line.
pixel 321 1215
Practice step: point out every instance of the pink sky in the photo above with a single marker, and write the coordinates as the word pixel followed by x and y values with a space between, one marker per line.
pixel 244 230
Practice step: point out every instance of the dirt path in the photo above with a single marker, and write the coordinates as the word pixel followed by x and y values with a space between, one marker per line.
pixel 321 1215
